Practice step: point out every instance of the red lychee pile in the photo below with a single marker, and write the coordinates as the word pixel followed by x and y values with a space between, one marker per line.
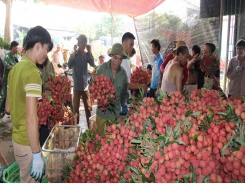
pixel 102 90
pixel 60 95
pixel 139 76
pixel 44 109
pixel 103 159
pixel 61 90
pixel 200 139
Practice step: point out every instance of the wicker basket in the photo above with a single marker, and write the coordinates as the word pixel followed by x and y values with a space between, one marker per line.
pixel 59 148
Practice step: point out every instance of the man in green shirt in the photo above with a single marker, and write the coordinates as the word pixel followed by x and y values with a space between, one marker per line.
pixel 9 60
pixel 113 70
pixel 24 90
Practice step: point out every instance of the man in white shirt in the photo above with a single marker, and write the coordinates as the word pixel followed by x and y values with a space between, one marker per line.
pixel 128 44
pixel 58 56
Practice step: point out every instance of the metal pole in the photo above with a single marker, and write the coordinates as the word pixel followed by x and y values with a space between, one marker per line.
pixel 111 30
pixel 220 28
pixel 138 42
pixel 227 50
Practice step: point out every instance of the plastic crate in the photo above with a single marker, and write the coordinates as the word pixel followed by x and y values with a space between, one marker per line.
pixel 12 174
pixel 59 148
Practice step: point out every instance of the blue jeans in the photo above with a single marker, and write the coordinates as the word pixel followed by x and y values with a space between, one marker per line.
pixel 124 109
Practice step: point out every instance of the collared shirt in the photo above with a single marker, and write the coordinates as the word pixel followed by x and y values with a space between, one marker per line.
pixel 157 62
pixel 126 66
pixel 121 86
pixel 79 65
pixel 24 81
pixel 235 85
pixel 8 60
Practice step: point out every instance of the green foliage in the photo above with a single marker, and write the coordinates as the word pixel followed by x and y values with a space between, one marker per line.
pixel 21 35
pixel 4 44
pixel 102 28
pixel 66 172
pixel 87 136
pixel 169 21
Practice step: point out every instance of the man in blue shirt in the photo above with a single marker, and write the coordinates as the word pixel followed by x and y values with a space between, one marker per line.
pixel 156 72
pixel 78 61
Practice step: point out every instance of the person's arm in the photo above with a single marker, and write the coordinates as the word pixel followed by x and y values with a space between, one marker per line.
pixel 32 124
pixel 192 61
pixel 160 81
pixel 56 57
pixel 6 62
pixel 169 57
pixel 160 77
pixel 71 61
pixel 90 56
pixel 57 70
pixel 231 71
pixel 137 86
pixel 33 90
pixel 178 79
pixel 216 80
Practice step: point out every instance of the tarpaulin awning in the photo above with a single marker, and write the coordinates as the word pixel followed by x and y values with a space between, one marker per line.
pixel 132 8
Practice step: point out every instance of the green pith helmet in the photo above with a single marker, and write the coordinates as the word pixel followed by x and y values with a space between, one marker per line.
pixel 82 39
pixel 118 49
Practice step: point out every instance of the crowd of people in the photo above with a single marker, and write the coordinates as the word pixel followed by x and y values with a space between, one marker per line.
pixel 22 85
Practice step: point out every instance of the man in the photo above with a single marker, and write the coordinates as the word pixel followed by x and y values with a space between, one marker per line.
pixel 128 44
pixel 58 56
pixel 113 70
pixel 78 61
pixel 101 59
pixel 24 89
pixel 9 61
pixel 171 56
pixel 156 78
pixel 195 73
pixel 235 71
pixel 173 74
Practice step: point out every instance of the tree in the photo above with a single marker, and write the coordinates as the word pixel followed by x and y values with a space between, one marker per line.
pixel 103 28
pixel 8 30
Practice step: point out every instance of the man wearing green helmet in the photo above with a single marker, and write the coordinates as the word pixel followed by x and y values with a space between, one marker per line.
pixel 113 70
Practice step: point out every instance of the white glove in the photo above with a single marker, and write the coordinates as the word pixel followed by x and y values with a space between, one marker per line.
pixel 37 166
pixel 239 68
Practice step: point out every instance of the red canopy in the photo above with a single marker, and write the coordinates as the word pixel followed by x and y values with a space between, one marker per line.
pixel 131 8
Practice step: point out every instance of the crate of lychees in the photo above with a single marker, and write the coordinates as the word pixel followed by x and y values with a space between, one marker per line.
pixel 59 148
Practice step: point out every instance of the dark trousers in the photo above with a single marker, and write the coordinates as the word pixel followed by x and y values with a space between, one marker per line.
pixel 44 133
pixel 152 92
pixel 4 95
pixel 86 101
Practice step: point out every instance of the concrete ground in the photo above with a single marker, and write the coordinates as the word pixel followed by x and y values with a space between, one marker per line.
pixel 6 129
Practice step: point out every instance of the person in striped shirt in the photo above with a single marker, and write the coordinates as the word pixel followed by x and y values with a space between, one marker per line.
pixel 24 90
